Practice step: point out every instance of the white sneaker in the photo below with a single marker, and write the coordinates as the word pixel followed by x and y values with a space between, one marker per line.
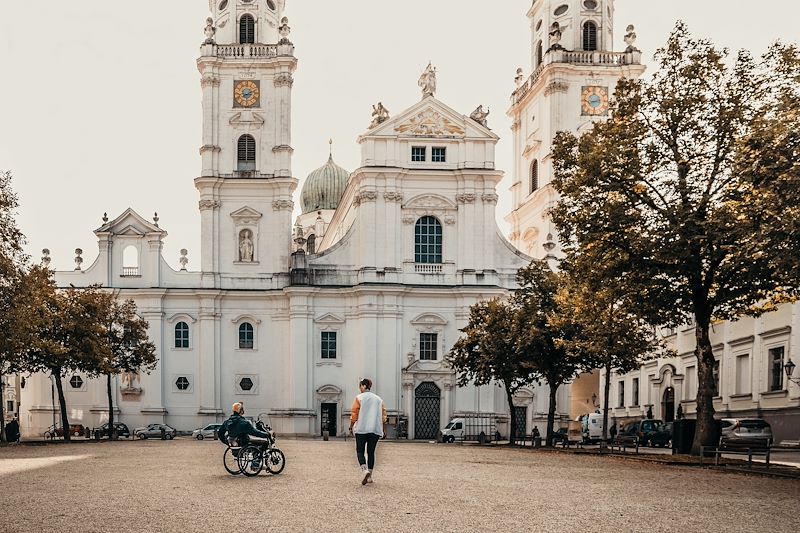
pixel 365 474
pixel 369 477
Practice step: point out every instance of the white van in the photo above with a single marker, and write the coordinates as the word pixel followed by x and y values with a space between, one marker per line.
pixel 592 427
pixel 478 427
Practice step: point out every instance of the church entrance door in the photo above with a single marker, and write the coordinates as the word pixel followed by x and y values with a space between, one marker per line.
pixel 328 417
pixel 521 418
pixel 668 405
pixel 427 399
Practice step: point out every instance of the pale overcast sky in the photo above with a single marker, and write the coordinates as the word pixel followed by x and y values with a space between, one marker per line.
pixel 100 101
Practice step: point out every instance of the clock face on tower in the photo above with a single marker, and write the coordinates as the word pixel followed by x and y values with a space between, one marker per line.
pixel 246 93
pixel 594 100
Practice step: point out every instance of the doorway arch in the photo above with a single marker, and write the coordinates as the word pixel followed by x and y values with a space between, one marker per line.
pixel 668 405
pixel 427 401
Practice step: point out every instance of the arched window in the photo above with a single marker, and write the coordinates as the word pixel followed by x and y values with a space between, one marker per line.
pixel 130 261
pixel 246 336
pixel 247 29
pixel 246 153
pixel 181 335
pixel 312 244
pixel 590 36
pixel 538 53
pixel 428 240
pixel 534 175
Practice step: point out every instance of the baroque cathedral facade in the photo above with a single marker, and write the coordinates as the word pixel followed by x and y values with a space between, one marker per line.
pixel 376 275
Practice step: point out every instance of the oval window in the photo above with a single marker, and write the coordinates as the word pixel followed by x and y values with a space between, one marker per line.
pixel 271 5
pixel 560 10
pixel 590 4
pixel 538 25
pixel 223 5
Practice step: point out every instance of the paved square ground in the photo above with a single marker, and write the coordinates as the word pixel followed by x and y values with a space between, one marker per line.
pixel 181 486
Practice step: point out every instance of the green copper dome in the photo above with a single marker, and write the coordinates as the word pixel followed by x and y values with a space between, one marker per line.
pixel 324 187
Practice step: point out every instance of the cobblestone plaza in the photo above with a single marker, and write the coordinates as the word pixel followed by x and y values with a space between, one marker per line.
pixel 181 486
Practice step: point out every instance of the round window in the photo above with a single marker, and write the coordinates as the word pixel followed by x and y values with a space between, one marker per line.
pixel 538 25
pixel 560 10
pixel 590 4
pixel 223 5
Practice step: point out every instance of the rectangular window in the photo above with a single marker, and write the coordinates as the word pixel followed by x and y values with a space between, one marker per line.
pixel 10 406
pixel 635 392
pixel 691 383
pixel 775 359
pixel 329 345
pixel 622 394
pixel 418 153
pixel 715 378
pixel 427 346
pixel 438 155
pixel 743 374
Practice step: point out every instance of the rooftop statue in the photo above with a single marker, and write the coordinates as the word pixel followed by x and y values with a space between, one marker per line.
pixel 428 81
pixel 379 115
pixel 210 31
pixel 479 116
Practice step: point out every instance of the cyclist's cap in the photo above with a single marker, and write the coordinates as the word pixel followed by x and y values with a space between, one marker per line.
pixel 237 407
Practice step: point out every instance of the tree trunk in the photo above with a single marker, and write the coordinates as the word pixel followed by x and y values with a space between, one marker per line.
pixel 551 414
pixel 2 412
pixel 704 431
pixel 513 437
pixel 605 400
pixel 62 404
pixel 111 433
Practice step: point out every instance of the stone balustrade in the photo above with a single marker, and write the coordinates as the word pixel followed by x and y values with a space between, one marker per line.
pixel 247 50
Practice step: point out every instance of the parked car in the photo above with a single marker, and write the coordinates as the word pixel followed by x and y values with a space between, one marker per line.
pixel 560 436
pixel 154 431
pixel 733 428
pixel 208 432
pixel 649 432
pixel 76 430
pixel 103 431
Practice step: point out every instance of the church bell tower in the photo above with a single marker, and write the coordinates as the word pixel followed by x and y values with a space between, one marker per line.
pixel 574 72
pixel 246 64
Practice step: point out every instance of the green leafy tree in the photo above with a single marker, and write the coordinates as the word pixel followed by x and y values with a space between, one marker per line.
pixel 72 334
pixel 545 333
pixel 488 352
pixel 14 322
pixel 691 188
pixel 129 349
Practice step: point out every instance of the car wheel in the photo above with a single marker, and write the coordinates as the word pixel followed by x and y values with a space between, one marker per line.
pixel 451 439
pixel 200 436
pixel 141 436
pixel 170 437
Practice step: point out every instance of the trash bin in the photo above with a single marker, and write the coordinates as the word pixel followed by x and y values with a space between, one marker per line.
pixel 326 435
pixel 537 442
pixel 683 435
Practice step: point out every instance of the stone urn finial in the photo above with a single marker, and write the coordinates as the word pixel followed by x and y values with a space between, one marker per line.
pixel 155 219
pixel 105 218
pixel 519 78
pixel 184 260
pixel 78 258
pixel 630 39
pixel 46 258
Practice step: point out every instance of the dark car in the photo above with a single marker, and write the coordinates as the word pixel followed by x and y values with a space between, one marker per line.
pixel 648 432
pixel 560 436
pixel 103 432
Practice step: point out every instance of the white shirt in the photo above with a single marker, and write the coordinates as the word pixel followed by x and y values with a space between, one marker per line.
pixel 370 415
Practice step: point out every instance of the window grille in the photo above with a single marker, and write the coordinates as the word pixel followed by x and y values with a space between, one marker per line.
pixel 246 336
pixel 418 153
pixel 590 36
pixel 181 335
pixel 247 30
pixel 428 240
pixel 438 155
pixel 534 175
pixel 427 346
pixel 328 345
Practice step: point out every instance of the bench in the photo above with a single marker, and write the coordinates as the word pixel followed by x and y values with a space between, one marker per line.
pixel 623 442
pixel 748 446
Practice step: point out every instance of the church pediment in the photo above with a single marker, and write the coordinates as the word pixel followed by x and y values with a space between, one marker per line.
pixel 431 118
pixel 246 215
pixel 429 319
pixel 329 318
pixel 130 223
pixel 429 201
pixel 246 118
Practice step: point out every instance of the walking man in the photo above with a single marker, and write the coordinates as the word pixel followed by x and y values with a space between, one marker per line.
pixel 367 417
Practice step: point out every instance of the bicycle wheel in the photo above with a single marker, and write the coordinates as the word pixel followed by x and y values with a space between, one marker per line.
pixel 275 461
pixel 251 461
pixel 231 462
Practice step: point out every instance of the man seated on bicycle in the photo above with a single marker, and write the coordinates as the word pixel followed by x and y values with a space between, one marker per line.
pixel 237 430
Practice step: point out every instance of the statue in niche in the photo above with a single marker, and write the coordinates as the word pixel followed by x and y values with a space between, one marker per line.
pixel 130 382
pixel 246 246
pixel 428 81
pixel 379 115
pixel 210 31
pixel 479 116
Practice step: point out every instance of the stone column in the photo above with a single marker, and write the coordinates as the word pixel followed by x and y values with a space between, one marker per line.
pixel 207 381
pixel 209 259
pixel 153 384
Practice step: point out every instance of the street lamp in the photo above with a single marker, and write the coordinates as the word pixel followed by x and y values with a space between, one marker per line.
pixel 789 369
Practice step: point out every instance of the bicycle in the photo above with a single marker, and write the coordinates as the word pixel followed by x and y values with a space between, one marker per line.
pixel 261 454
pixel 230 459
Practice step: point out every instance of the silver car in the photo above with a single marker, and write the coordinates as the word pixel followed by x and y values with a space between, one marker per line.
pixel 154 431
pixel 208 432
pixel 744 428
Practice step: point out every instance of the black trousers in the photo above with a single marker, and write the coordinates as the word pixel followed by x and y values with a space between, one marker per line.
pixel 368 441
